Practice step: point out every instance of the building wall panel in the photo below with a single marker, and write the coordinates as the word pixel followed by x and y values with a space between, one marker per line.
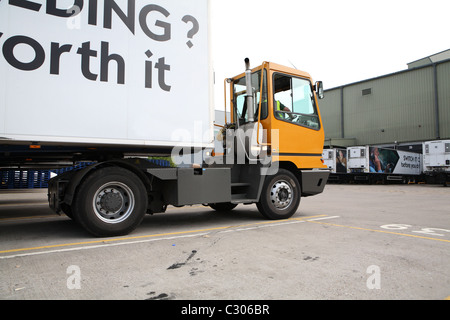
pixel 330 110
pixel 395 108
pixel 443 76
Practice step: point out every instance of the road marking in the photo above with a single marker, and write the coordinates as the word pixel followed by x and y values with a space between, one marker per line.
pixel 273 224
pixel 56 216
pixel 25 204
pixel 381 231
pixel 32 218
pixel 91 247
pixel 148 238
pixel 324 218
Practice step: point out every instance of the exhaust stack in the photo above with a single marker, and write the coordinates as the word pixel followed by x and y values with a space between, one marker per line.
pixel 249 95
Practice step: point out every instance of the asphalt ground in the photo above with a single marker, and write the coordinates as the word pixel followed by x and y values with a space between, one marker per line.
pixel 353 242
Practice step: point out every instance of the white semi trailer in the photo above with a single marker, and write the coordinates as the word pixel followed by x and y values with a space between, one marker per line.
pixel 436 160
pixel 336 161
pixel 373 163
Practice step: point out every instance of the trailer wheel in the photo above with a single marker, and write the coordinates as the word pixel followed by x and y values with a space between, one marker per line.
pixel 111 201
pixel 280 196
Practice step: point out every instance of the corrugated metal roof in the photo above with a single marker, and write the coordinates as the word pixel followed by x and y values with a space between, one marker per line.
pixel 437 57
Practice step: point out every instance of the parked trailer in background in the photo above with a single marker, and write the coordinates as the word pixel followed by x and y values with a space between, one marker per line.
pixel 376 164
pixel 336 161
pixel 436 161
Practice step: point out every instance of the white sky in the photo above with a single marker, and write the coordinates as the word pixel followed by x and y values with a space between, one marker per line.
pixel 338 42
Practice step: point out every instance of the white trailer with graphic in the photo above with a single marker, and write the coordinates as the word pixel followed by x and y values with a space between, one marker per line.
pixel 336 161
pixel 115 73
pixel 377 164
pixel 436 161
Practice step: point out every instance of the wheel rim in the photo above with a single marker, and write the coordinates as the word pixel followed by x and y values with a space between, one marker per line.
pixel 113 202
pixel 281 195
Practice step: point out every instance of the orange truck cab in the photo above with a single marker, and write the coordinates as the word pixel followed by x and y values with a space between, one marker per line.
pixel 276 110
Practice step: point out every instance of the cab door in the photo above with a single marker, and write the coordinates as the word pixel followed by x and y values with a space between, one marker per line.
pixel 296 115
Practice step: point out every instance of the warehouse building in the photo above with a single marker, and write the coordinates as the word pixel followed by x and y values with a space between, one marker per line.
pixel 401 109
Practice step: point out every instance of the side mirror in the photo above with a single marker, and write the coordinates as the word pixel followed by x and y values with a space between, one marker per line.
pixel 319 89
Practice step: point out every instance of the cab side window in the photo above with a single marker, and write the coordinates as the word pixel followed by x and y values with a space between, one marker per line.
pixel 294 101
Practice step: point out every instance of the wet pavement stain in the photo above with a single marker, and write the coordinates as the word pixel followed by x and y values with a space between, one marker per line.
pixel 180 264
pixel 162 296
pixel 308 258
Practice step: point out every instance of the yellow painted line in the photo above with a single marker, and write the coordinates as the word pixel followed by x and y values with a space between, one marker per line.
pixel 111 240
pixel 309 217
pixel 63 216
pixel 30 218
pixel 381 231
pixel 4 206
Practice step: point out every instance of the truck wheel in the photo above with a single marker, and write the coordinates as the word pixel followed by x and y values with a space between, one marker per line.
pixel 111 201
pixel 225 206
pixel 280 196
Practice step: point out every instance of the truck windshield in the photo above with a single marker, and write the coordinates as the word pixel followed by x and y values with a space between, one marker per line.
pixel 240 91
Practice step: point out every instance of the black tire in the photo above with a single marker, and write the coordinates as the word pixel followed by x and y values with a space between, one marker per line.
pixel 280 196
pixel 110 202
pixel 225 206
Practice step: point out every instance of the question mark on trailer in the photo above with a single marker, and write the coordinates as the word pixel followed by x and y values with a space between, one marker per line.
pixel 194 30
